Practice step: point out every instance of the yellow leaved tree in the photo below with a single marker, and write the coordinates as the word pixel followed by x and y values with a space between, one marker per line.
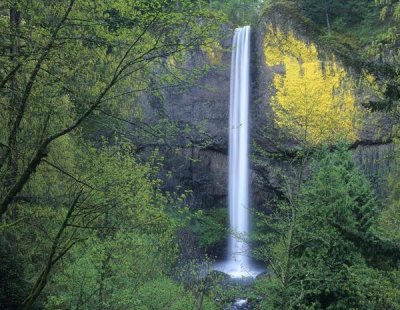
pixel 313 99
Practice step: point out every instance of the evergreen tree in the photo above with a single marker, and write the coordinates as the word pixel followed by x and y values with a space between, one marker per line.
pixel 334 13
pixel 322 250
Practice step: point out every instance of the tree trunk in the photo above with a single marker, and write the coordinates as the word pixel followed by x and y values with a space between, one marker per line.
pixel 328 23
pixel 51 260
pixel 104 264
pixel 8 157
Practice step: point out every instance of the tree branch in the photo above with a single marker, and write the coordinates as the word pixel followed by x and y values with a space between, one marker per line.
pixel 31 81
pixel 42 279
pixel 10 75
pixel 69 175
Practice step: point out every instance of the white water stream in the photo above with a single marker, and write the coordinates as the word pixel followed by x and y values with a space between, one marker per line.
pixel 238 262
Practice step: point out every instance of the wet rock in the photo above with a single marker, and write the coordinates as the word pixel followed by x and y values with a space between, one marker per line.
pixel 241 304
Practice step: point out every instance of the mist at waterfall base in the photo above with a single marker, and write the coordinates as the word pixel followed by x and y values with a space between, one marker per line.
pixel 238 264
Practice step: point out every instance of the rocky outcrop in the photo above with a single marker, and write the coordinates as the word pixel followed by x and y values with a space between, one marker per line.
pixel 274 154
pixel 193 122
pixel 197 159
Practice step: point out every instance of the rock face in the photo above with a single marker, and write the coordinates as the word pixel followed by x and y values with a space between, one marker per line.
pixel 198 160
pixel 196 131
pixel 275 165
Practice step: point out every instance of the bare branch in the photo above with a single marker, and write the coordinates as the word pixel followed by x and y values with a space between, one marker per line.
pixel 69 175
pixel 10 75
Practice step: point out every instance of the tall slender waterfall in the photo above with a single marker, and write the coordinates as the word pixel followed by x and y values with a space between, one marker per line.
pixel 238 151
pixel 238 263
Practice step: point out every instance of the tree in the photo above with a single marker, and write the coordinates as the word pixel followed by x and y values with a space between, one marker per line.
pixel 313 100
pixel 108 229
pixel 240 12
pixel 328 13
pixel 73 60
pixel 64 65
pixel 382 62
pixel 330 262
pixel 367 32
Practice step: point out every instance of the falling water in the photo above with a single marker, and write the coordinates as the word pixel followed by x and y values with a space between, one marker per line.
pixel 238 263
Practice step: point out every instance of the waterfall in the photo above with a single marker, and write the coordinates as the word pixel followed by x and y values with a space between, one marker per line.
pixel 238 263
pixel 238 151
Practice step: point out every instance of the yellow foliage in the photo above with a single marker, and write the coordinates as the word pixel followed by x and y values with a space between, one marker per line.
pixel 171 61
pixel 313 100
pixel 372 83
pixel 213 49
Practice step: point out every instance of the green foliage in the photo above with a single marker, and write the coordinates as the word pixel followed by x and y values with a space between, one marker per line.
pixel 389 9
pixel 355 33
pixel 168 296
pixel 67 63
pixel 165 294
pixel 71 72
pixel 12 282
pixel 197 277
pixel 309 242
pixel 109 273
pixel 388 225
pixel 239 12
pixel 210 227
pixel 119 237
pixel 336 13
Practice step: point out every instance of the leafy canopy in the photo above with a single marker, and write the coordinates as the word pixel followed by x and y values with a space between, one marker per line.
pixel 313 99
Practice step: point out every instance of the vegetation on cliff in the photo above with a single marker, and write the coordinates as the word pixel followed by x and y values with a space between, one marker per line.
pixel 362 34
pixel 329 241
pixel 313 99
pixel 86 221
